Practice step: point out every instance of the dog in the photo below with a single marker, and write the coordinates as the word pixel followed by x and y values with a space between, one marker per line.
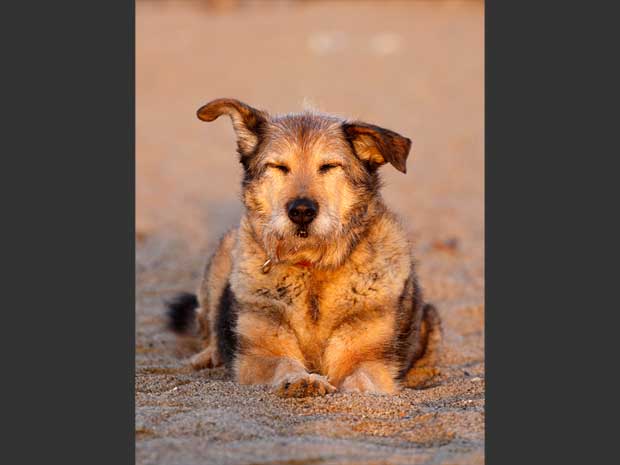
pixel 315 291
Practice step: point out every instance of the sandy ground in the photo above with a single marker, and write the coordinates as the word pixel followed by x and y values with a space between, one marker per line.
pixel 416 68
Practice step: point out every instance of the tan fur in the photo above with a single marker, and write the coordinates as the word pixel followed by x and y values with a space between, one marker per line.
pixel 340 308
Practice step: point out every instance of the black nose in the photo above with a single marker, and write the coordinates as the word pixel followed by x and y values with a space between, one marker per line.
pixel 302 211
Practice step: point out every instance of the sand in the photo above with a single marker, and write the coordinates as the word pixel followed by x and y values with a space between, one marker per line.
pixel 417 68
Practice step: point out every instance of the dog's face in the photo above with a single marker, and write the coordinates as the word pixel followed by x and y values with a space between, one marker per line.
pixel 309 180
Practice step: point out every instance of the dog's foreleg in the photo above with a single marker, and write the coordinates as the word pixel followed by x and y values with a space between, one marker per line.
pixel 355 359
pixel 207 358
pixel 373 377
pixel 288 376
pixel 270 354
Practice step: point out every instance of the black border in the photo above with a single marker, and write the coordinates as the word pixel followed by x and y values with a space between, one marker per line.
pixel 68 232
pixel 550 260
pixel 68 202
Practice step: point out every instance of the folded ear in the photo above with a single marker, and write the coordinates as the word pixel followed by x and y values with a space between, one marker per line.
pixel 248 122
pixel 377 145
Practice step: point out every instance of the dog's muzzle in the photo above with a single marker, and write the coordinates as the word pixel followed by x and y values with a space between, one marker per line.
pixel 302 212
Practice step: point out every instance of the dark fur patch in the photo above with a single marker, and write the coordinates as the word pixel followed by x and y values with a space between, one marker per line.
pixel 429 319
pixel 357 317
pixel 225 325
pixel 413 311
pixel 431 316
pixel 268 312
pixel 313 302
pixel 181 312
pixel 251 170
pixel 414 324
pixel 281 293
pixel 417 302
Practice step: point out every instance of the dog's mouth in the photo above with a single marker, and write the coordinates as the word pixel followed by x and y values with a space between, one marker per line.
pixel 302 232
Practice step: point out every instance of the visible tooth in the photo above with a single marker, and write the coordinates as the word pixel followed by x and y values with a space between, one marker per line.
pixel 266 266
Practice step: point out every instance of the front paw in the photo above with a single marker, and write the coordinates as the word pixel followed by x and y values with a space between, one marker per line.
pixel 304 385
pixel 208 358
pixel 361 382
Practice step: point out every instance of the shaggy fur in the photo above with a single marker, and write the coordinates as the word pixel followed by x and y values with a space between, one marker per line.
pixel 329 305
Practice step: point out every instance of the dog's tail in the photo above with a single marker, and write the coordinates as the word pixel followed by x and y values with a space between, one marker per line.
pixel 181 313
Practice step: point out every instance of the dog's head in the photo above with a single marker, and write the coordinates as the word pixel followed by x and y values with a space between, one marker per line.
pixel 310 181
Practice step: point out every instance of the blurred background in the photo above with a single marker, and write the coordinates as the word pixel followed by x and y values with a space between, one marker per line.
pixel 413 67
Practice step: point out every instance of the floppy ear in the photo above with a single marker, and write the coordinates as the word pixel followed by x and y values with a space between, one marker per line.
pixel 248 122
pixel 377 145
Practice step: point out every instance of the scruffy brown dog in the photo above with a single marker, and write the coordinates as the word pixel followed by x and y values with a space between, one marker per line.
pixel 315 291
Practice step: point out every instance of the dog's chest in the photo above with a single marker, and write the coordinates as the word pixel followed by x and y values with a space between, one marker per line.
pixel 313 304
pixel 317 297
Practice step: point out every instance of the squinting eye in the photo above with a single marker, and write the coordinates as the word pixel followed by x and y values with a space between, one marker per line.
pixel 285 169
pixel 328 166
